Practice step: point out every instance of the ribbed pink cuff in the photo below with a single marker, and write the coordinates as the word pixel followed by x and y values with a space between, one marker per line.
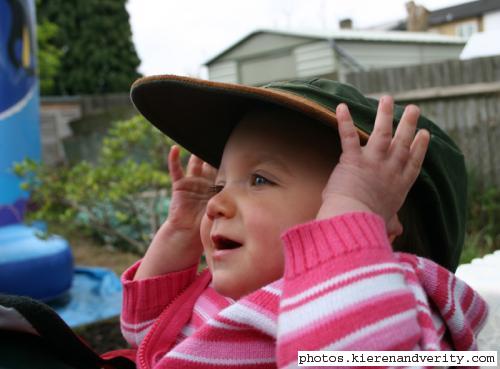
pixel 309 244
pixel 145 299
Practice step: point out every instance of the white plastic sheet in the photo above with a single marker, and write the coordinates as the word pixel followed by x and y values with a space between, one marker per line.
pixel 484 276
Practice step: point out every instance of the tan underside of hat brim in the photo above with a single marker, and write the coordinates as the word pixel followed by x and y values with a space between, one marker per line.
pixel 200 114
pixel 293 101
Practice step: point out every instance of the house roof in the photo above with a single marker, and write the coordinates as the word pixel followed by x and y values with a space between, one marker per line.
pixel 461 11
pixel 449 14
pixel 344 35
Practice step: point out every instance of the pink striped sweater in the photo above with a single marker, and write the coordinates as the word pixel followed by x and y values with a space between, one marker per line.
pixel 343 289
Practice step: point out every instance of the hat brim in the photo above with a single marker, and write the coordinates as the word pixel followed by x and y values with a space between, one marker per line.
pixel 200 115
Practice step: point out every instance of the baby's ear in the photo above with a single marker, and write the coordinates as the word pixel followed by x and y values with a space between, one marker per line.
pixel 394 228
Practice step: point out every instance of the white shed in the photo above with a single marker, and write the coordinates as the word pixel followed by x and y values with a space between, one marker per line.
pixel 264 55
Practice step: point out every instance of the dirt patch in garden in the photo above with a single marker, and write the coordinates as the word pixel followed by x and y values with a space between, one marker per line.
pixel 105 335
pixel 87 253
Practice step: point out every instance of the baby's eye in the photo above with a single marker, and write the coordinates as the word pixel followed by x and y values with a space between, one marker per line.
pixel 258 180
pixel 215 189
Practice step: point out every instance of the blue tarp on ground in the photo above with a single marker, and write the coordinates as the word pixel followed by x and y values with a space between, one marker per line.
pixel 96 294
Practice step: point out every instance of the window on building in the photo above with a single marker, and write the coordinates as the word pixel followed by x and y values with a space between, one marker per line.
pixel 466 29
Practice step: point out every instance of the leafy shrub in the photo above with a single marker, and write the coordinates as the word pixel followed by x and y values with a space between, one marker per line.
pixel 483 220
pixel 122 199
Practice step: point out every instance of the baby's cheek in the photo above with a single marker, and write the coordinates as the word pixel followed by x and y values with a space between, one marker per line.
pixel 205 228
pixel 267 224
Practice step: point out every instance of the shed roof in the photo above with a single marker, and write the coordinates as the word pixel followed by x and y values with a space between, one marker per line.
pixel 354 35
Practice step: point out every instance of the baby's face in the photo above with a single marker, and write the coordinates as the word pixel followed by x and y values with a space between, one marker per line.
pixel 273 171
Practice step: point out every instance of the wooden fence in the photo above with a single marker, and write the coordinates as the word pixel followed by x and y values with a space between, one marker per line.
pixel 60 142
pixel 462 97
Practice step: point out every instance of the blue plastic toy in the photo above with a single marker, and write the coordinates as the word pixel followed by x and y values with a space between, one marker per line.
pixel 29 266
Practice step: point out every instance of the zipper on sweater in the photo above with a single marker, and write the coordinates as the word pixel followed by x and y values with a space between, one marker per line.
pixel 140 351
pixel 142 360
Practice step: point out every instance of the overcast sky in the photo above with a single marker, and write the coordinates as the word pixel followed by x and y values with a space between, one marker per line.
pixel 178 36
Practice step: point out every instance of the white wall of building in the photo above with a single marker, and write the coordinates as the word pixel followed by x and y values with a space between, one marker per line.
pixel 226 71
pixel 491 21
pixel 314 59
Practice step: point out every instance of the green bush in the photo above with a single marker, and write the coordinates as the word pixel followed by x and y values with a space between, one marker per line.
pixel 122 199
pixel 483 220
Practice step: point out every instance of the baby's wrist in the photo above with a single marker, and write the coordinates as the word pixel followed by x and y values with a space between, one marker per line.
pixel 338 204
pixel 170 251
pixel 180 238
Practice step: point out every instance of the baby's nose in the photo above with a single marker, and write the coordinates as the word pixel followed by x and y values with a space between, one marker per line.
pixel 221 205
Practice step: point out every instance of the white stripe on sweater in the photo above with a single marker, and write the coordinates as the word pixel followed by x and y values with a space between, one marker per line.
pixel 457 297
pixel 202 313
pixel 437 320
pixel 219 324
pixel 334 301
pixel 135 333
pixel 447 307
pixel 135 338
pixel 455 321
pixel 417 290
pixel 336 280
pixel 214 361
pixel 245 315
pixel 396 319
pixel 273 290
pixel 136 326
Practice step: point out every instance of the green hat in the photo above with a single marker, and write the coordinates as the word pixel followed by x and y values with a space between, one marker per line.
pixel 200 116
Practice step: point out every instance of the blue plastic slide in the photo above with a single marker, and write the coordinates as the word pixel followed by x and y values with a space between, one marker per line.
pixel 31 266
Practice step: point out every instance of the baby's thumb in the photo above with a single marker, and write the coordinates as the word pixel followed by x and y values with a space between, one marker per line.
pixel 394 228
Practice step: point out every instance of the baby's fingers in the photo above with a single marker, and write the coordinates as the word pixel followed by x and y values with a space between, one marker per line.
pixel 174 164
pixel 209 171
pixel 417 155
pixel 405 134
pixel 349 138
pixel 381 137
pixel 194 167
pixel 407 126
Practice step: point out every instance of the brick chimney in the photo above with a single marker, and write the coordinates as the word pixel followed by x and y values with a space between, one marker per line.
pixel 345 23
pixel 417 17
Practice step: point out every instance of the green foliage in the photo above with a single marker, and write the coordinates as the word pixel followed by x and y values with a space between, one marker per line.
pixel 122 199
pixel 49 56
pixel 483 222
pixel 98 55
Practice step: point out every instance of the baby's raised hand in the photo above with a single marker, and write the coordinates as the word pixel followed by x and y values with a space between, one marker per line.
pixel 378 176
pixel 177 244
pixel 190 191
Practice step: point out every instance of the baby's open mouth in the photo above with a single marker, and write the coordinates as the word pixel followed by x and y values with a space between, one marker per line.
pixel 223 243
